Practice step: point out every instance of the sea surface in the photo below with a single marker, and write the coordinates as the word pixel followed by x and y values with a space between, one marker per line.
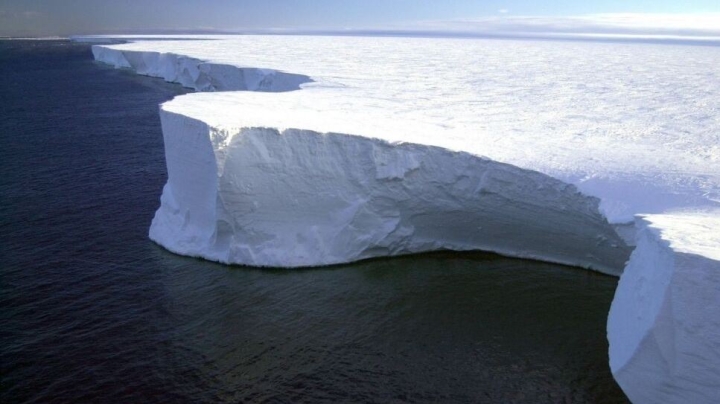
pixel 92 311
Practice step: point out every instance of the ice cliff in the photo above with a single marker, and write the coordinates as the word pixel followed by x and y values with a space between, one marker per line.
pixel 283 180
pixel 664 323
pixel 197 74
pixel 294 197
pixel 342 171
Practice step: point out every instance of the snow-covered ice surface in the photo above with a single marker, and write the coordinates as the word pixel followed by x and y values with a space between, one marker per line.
pixel 379 153
pixel 634 124
pixel 664 323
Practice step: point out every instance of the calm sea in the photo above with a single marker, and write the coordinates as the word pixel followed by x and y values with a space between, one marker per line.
pixel 93 311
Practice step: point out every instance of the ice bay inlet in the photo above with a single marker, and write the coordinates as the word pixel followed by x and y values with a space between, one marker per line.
pixel 350 148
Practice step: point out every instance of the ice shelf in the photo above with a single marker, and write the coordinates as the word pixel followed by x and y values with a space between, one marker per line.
pixel 390 149
pixel 263 196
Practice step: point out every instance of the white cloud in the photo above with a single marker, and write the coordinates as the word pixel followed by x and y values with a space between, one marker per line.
pixel 707 24
pixel 19 15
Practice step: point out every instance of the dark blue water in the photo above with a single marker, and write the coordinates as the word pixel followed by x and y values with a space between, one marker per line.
pixel 92 311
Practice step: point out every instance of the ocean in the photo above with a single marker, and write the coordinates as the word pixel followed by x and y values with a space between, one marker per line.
pixel 91 310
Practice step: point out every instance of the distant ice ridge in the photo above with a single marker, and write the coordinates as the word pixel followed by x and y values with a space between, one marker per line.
pixel 197 74
pixel 664 323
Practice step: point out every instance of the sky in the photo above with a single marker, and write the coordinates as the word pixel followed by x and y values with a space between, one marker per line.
pixel 84 17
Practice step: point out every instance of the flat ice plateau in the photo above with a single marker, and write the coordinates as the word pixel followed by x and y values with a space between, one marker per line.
pixel 352 147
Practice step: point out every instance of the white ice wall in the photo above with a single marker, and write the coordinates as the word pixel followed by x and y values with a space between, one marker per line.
pixel 633 124
pixel 664 323
pixel 245 187
pixel 293 197
pixel 197 74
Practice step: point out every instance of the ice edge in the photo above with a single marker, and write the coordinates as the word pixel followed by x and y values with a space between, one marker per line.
pixel 631 356
pixel 198 74
pixel 663 327
pixel 553 239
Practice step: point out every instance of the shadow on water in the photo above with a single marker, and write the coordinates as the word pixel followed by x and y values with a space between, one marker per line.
pixel 443 327
pixel 92 311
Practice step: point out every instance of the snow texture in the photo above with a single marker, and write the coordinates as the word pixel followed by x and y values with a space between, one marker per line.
pixel 664 323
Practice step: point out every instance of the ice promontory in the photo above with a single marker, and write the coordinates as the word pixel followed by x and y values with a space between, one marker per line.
pixel 379 154
pixel 664 323
pixel 293 197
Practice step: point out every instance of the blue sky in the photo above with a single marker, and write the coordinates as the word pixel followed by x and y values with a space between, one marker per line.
pixel 66 17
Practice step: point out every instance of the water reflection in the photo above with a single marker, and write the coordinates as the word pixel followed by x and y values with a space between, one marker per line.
pixel 433 327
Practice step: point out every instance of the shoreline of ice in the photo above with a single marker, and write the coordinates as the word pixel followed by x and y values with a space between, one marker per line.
pixel 263 196
pixel 483 216
pixel 642 140
pixel 197 74
pixel 662 192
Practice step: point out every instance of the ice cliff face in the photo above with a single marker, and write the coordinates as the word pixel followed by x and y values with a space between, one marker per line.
pixel 664 323
pixel 634 125
pixel 294 197
pixel 281 181
pixel 199 75
pixel 303 179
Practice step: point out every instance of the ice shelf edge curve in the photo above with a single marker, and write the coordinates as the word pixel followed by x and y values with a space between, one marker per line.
pixel 390 199
pixel 640 389
pixel 295 198
pixel 197 74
